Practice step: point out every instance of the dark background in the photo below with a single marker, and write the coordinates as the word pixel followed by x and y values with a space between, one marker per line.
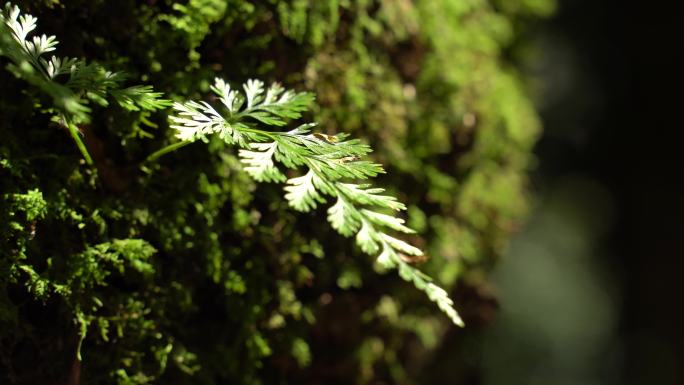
pixel 616 121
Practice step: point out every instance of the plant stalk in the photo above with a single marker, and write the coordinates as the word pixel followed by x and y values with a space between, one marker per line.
pixel 171 147
pixel 75 135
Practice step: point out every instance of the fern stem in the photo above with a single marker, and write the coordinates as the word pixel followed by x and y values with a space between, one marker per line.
pixel 175 146
pixel 75 135
pixel 171 147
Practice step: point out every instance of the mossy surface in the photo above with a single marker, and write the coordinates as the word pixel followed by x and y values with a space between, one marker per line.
pixel 191 274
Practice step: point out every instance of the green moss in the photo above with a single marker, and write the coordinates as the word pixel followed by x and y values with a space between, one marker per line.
pixel 188 272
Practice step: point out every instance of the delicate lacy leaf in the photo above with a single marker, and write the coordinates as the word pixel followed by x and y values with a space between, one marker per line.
pixel 393 223
pixel 272 107
pixel 400 245
pixel 366 238
pixel 57 66
pixel 230 98
pixel 259 163
pixel 365 195
pixel 301 192
pixel 197 120
pixel 253 91
pixel 140 97
pixel 330 161
pixel 91 81
pixel 344 217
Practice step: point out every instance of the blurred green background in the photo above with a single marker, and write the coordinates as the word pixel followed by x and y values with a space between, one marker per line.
pixel 590 289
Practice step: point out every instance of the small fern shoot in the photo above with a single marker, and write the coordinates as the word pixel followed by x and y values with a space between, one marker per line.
pixel 72 83
pixel 334 168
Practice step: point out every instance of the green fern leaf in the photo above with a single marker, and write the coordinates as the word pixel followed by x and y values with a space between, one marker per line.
pixel 332 163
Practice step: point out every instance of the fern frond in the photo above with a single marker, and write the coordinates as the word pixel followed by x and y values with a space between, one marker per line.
pixel 333 167
pixel 82 81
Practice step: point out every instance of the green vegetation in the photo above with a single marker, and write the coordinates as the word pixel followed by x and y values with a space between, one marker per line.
pixel 118 265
